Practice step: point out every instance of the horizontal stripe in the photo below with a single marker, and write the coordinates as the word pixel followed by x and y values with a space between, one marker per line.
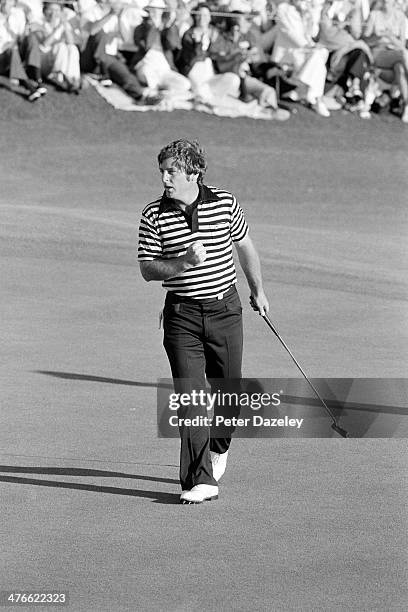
pixel 165 234
pixel 193 286
pixel 201 292
pixel 190 276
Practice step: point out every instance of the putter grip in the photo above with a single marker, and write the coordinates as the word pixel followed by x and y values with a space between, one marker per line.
pixel 252 302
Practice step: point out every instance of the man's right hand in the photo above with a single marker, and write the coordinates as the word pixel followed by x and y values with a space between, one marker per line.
pixel 195 254
pixel 197 34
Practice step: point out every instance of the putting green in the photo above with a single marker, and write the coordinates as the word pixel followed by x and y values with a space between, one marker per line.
pixel 88 493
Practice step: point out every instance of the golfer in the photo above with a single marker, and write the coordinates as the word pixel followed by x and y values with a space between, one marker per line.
pixel 185 241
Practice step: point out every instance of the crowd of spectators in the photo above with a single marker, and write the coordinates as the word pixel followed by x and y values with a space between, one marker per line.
pixel 326 54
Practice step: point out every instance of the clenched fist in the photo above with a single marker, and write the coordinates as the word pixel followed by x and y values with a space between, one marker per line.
pixel 196 253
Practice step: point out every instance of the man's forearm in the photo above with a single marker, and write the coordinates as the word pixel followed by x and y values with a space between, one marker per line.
pixel 250 264
pixel 96 26
pixel 163 269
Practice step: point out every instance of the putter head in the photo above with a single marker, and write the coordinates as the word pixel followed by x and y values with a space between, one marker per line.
pixel 342 432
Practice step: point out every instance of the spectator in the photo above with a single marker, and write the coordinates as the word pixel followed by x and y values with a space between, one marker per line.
pixel 152 66
pixel 33 10
pixel 101 51
pixel 350 58
pixel 131 16
pixel 295 48
pixel 183 15
pixel 195 60
pixel 234 51
pixel 170 34
pixel 14 38
pixel 386 35
pixel 59 47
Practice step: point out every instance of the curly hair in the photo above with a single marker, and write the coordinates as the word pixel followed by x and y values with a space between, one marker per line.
pixel 188 156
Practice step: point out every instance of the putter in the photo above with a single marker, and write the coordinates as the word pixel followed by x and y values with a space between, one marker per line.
pixel 342 432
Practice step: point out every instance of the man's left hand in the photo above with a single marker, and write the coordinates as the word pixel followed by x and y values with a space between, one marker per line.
pixel 260 303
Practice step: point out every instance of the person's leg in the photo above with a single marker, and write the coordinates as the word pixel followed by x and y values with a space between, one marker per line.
pixel 359 67
pixel 402 81
pixel 349 68
pixel 4 63
pixel 183 328
pixel 60 58
pixel 265 94
pixel 11 66
pixel 176 83
pixel 266 97
pixel 73 70
pixel 152 69
pixel 47 64
pixel 31 56
pixel 201 73
pixel 272 74
pixel 121 75
pixel 356 69
pixel 94 53
pixel 223 356
pixel 386 59
pixel 397 62
pixel 313 75
pixel 226 84
pixel 16 68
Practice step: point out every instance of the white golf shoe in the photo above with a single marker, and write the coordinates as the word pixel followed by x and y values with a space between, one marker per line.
pixel 199 494
pixel 320 108
pixel 219 464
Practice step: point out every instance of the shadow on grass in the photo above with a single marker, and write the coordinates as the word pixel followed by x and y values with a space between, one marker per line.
pixel 18 90
pixel 156 496
pixel 102 379
pixel 286 399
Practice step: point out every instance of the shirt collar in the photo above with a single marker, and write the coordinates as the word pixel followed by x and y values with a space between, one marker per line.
pixel 205 194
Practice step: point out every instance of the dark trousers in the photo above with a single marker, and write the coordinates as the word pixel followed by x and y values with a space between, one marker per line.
pixel 11 64
pixel 31 55
pixel 202 339
pixel 94 58
pixel 357 65
pixel 278 80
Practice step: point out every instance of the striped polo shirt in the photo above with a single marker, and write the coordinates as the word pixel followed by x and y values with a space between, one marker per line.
pixel 165 233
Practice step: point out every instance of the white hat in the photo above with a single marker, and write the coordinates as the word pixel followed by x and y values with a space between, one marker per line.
pixel 156 4
pixel 240 5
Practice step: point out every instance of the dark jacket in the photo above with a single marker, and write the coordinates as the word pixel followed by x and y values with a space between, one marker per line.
pixel 192 51
pixel 146 36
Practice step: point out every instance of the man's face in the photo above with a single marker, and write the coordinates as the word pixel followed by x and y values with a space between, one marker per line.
pixel 52 11
pixel 175 181
pixel 244 24
pixel 203 17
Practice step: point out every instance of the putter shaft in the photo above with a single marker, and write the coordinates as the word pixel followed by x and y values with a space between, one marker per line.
pixel 335 425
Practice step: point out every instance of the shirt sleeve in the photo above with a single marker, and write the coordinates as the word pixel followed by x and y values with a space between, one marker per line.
pixel 150 247
pixel 290 23
pixel 239 227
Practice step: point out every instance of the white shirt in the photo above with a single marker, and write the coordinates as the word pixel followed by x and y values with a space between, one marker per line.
pixel 92 12
pixel 11 26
